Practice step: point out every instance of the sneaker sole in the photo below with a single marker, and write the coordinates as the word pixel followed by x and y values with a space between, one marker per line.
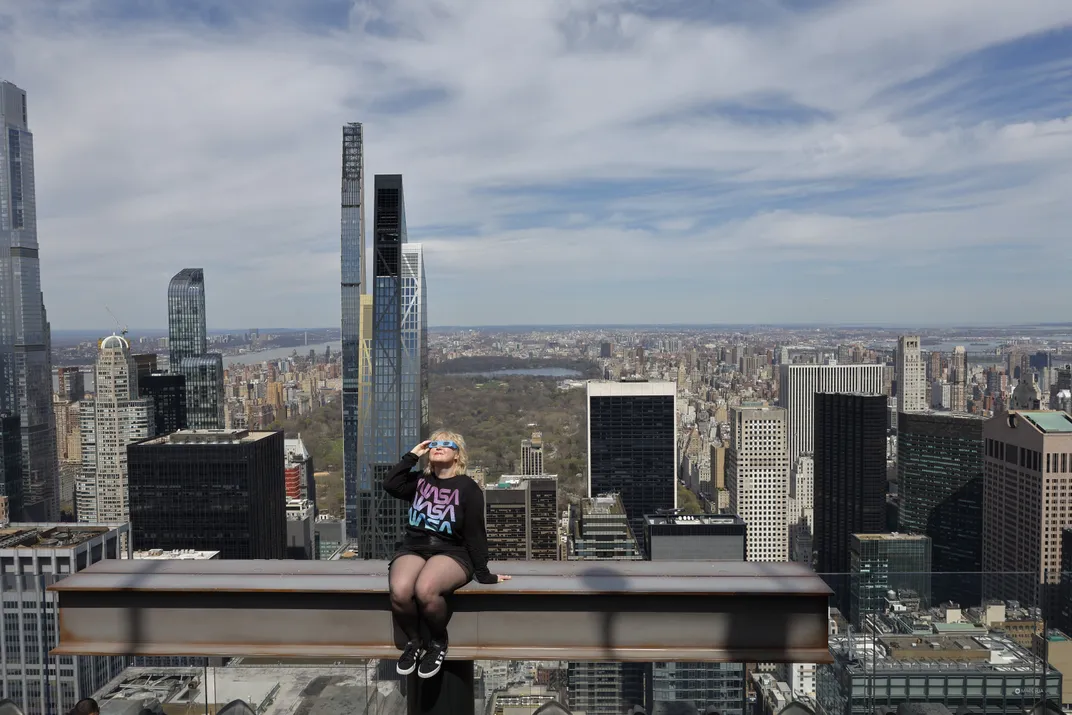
pixel 405 671
pixel 429 675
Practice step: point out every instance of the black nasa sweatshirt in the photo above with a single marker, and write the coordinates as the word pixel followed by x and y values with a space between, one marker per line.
pixel 450 509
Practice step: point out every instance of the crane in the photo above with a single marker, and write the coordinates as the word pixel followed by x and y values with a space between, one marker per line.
pixel 122 328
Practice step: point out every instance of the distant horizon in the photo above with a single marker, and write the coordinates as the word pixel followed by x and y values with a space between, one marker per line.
pixel 615 326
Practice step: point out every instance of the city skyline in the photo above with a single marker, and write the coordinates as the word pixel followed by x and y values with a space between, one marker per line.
pixel 801 162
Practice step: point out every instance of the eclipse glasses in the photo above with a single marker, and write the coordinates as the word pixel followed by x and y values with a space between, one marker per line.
pixel 443 443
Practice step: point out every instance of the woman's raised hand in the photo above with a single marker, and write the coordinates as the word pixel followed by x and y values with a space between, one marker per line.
pixel 421 448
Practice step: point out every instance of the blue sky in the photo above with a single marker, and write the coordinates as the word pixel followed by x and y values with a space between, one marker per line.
pixel 565 161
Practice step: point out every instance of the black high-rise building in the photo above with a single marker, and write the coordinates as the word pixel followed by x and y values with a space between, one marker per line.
pixel 632 446
pixel 11 464
pixel 168 393
pixel 850 479
pixel 940 484
pixel 209 490
pixel 145 363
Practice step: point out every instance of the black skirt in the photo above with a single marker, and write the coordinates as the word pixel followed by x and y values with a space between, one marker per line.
pixel 428 545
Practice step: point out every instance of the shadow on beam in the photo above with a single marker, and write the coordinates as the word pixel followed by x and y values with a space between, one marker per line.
pixel 632 611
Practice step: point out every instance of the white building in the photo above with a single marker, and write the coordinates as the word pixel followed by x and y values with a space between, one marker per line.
pixel 111 421
pixel 32 557
pixel 911 375
pixel 757 477
pixel 798 385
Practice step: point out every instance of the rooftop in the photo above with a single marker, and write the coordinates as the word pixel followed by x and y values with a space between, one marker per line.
pixel 183 554
pixel 270 690
pixel 694 519
pixel 50 536
pixel 208 436
pixel 1049 422
pixel 990 652
pixel 891 537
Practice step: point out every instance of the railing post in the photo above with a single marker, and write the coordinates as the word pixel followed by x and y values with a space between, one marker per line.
pixel 450 692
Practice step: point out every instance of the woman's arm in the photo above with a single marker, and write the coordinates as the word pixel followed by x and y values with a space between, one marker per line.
pixel 401 481
pixel 475 534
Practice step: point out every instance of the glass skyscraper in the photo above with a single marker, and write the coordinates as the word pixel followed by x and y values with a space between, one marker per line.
pixel 25 340
pixel 187 346
pixel 940 476
pixel 398 412
pixel 353 272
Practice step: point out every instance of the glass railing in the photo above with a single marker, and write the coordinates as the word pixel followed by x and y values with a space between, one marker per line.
pixel 971 642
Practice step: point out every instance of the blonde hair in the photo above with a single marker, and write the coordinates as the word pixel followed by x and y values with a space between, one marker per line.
pixel 461 459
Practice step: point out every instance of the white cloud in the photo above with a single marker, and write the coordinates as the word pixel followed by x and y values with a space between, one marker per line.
pixel 163 144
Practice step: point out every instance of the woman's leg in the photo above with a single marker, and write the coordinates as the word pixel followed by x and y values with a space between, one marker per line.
pixel 440 577
pixel 402 579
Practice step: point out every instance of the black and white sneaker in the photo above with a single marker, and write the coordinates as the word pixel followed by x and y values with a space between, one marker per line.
pixel 433 659
pixel 411 654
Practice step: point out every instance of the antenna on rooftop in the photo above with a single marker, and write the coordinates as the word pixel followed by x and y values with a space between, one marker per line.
pixel 122 328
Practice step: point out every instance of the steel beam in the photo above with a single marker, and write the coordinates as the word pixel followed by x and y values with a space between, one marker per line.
pixel 551 610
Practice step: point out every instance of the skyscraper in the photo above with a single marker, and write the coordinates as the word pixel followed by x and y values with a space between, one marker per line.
pixel 798 385
pixel 850 478
pixel 940 481
pixel 353 273
pixel 757 476
pixel 112 420
pixel 1027 478
pixel 187 328
pixel 209 491
pixel 522 518
pixel 168 393
pixel 911 379
pixel 38 683
pixel 632 446
pixel 398 412
pixel 884 562
pixel 25 336
pixel 958 380
pixel 188 345
pixel 532 454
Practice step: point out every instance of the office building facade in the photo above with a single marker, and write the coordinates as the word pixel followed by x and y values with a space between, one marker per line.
pixel 632 446
pixel 33 556
pixel 25 336
pixel 600 530
pixel 850 479
pixel 1064 609
pixel 109 422
pixel 398 410
pixel 210 490
pixel 880 563
pixel 911 376
pixel 798 385
pixel 522 518
pixel 685 685
pixel 757 477
pixel 940 483
pixel 168 394
pixel 958 380
pixel 532 454
pixel 353 274
pixel 11 479
pixel 70 383
pixel 1027 502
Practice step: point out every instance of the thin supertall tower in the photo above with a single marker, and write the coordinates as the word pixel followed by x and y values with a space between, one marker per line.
pixel 25 338
pixel 353 272
pixel 398 411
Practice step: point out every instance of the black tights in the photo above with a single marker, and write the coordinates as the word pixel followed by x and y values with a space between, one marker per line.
pixel 419 590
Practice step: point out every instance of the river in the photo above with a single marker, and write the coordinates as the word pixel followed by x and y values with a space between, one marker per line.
pixel 279 353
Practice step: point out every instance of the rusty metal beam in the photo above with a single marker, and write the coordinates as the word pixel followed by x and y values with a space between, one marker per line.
pixel 624 611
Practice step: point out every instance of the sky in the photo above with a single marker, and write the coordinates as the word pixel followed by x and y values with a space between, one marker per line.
pixel 564 161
